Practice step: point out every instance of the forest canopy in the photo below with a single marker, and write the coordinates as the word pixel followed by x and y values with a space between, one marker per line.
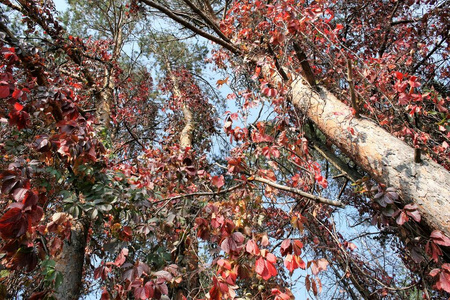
pixel 222 149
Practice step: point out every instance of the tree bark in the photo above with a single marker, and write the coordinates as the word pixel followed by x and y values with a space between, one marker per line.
pixel 187 132
pixel 70 263
pixel 386 158
pixel 189 260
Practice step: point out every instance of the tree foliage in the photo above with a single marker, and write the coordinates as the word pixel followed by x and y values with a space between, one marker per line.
pixel 122 175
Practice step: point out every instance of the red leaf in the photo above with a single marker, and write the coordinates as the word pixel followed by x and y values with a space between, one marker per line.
pixel 18 106
pixel 434 272
pixel 252 248
pixel 218 181
pixel 259 266
pixel 164 275
pixel 444 281
pixel 398 75
pixel 314 287
pixel 19 194
pixel 234 243
pixel 433 250
pixel 105 295
pixel 121 257
pixel 24 258
pixel 290 262
pixel 16 94
pixel 402 218
pixel 272 271
pixel 265 268
pixel 271 258
pixel 414 214
pixel 14 223
pixel 19 118
pixel 238 237
pixel 440 239
pixel 126 233
pixel 4 90
pixel 150 288
pixel 101 272
pixel 224 264
pixel 141 293
pixel 286 247
pixel 225 245
pixel 35 215
pixel 298 245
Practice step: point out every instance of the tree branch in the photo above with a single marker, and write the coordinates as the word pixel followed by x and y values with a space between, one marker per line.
pixel 201 194
pixel 207 20
pixel 191 27
pixel 351 84
pixel 307 71
pixel 299 192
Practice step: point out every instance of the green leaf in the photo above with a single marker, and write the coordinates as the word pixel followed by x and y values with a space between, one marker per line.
pixel 4 273
pixel 58 279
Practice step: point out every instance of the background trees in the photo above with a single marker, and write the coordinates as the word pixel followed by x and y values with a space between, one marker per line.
pixel 113 149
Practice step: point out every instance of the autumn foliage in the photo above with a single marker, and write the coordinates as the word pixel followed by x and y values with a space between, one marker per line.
pixel 175 190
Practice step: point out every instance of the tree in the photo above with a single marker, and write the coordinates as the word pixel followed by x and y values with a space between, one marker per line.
pixel 112 183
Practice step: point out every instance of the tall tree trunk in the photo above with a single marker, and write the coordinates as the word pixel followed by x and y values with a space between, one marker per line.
pixel 70 263
pixel 189 251
pixel 186 134
pixel 386 158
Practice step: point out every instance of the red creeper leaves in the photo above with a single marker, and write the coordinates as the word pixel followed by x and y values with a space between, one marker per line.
pixel 218 181
pixel 265 265
pixel 410 210
pixel 432 248
pixel 440 239
pixel 4 89
pixel 443 282
pixel 233 243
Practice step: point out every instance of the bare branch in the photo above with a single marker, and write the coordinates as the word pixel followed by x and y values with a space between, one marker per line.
pixel 299 192
pixel 208 21
pixel 191 27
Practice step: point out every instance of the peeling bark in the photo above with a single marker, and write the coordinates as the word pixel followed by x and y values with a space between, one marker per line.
pixel 188 129
pixel 187 133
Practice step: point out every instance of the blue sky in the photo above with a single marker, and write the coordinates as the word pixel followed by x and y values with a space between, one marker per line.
pixel 61 5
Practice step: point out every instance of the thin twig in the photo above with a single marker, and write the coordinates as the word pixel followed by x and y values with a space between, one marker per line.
pixel 200 194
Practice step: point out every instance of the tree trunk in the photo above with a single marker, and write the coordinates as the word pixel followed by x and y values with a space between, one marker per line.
pixel 189 251
pixel 386 158
pixel 70 263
